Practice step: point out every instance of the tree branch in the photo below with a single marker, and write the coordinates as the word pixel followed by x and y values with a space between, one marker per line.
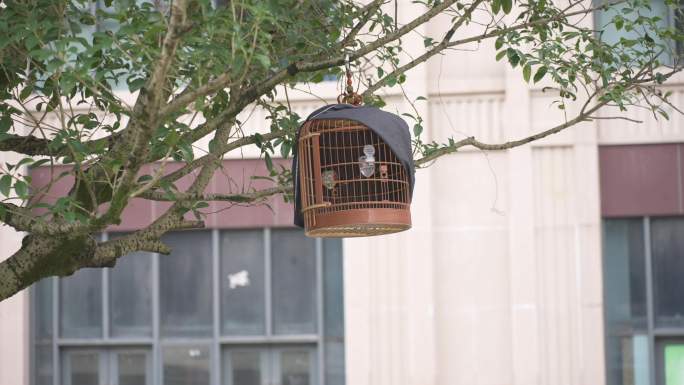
pixel 471 141
pixel 366 14
pixel 447 43
pixel 235 198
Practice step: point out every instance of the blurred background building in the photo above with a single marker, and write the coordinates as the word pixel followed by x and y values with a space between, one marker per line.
pixel 558 262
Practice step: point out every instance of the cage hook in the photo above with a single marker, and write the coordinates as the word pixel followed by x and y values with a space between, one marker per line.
pixel 349 96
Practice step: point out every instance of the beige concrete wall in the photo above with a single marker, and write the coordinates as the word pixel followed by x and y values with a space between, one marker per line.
pixel 14 317
pixel 499 281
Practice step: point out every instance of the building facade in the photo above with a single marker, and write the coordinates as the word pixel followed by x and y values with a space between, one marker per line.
pixel 553 263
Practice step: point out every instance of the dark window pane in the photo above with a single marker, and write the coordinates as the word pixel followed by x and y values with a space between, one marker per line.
pixel 185 365
pixel 185 285
pixel 667 242
pixel 242 282
pixel 296 368
pixel 333 287
pixel 80 297
pixel 624 290
pixel 43 364
pixel 42 309
pixel 293 261
pixel 244 367
pixel 624 275
pixel 629 360
pixel 132 368
pixel 82 368
pixel 131 296
pixel 611 35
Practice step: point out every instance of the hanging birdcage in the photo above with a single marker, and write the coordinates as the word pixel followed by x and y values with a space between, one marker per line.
pixel 353 170
pixel 351 181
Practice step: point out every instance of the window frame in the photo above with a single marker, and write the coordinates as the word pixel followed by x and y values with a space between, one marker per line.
pixel 656 336
pixel 216 342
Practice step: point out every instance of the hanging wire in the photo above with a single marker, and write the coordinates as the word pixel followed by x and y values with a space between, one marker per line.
pixel 349 96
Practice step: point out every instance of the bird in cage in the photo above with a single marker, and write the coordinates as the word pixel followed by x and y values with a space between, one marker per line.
pixel 328 179
pixel 367 161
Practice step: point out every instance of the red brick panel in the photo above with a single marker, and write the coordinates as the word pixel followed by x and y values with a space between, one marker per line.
pixel 235 177
pixel 640 180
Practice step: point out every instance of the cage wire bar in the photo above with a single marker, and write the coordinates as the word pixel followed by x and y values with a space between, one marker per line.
pixel 338 200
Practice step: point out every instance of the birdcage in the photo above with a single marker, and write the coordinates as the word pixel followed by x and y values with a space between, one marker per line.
pixel 351 182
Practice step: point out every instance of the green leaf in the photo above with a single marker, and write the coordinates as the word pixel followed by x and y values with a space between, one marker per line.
pixel 21 188
pixel 135 84
pixel 5 184
pixel 540 74
pixel 263 60
pixel 269 162
pixel 513 57
pixel 527 71
pixel 25 93
pixel 5 123
pixel 496 6
pixel 285 149
pixel 507 5
pixel 24 161
pixel 500 55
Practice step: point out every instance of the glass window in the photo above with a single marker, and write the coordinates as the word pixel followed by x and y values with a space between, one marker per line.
pixel 186 365
pixel 245 366
pixel 81 304
pixel 610 35
pixel 333 316
pixel 81 368
pixel 131 296
pixel 270 284
pixel 291 365
pixel 674 363
pixel 293 259
pixel 297 367
pixel 42 307
pixel 667 237
pixel 185 285
pixel 131 368
pixel 243 283
pixel 635 337
pixel 624 267
pixel 43 364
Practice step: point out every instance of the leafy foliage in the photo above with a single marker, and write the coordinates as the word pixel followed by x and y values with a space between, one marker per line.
pixel 98 89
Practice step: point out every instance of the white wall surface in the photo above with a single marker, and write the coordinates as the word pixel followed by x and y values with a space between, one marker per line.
pixel 499 280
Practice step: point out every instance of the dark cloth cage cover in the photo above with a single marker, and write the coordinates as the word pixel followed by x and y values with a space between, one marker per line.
pixel 353 172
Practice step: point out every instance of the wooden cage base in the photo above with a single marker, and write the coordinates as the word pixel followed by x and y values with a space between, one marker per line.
pixel 359 223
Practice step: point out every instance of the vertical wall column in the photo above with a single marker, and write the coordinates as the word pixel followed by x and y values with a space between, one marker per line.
pixel 523 268
pixel 389 293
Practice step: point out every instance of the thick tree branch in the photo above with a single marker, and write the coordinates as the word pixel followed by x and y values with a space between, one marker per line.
pixel 145 116
pixel 250 197
pixel 22 219
pixel 44 256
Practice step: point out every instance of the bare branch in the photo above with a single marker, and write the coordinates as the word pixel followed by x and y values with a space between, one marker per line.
pixel 446 43
pixel 249 197
pixel 189 95
pixel 366 14
pixel 471 141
